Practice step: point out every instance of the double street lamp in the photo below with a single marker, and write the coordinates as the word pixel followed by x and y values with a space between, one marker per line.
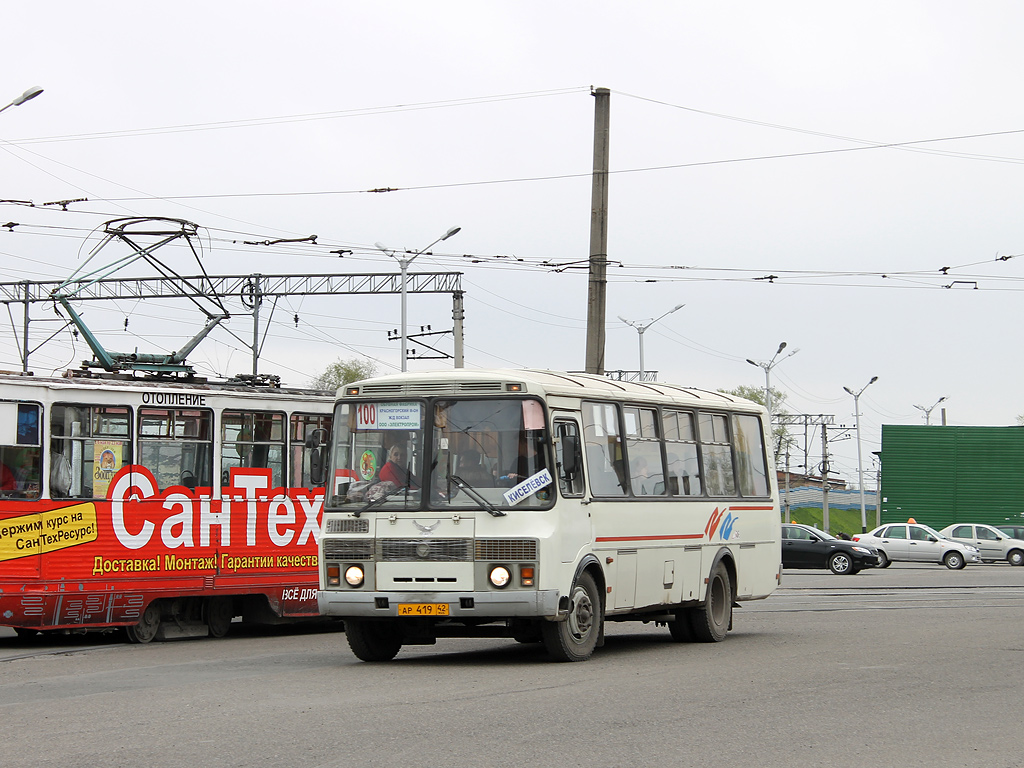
pixel 860 463
pixel 31 93
pixel 403 264
pixel 768 376
pixel 928 411
pixel 641 327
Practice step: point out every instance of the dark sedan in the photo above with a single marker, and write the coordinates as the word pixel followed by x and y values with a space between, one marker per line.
pixel 807 547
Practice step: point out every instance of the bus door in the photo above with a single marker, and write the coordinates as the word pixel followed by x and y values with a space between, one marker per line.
pixel 573 518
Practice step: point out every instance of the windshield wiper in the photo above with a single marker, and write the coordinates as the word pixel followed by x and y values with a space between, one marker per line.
pixel 472 492
pixel 381 499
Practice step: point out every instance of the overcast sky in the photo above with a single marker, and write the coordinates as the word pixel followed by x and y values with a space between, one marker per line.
pixel 749 183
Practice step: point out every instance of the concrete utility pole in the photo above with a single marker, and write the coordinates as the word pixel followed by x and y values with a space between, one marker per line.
pixel 597 287
pixel 824 478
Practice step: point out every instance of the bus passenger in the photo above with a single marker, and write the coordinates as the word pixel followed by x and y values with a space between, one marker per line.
pixel 7 479
pixel 396 470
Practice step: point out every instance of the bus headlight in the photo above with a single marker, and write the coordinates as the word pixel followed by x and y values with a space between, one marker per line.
pixel 354 575
pixel 500 576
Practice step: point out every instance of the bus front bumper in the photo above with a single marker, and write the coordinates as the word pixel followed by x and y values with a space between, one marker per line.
pixel 534 604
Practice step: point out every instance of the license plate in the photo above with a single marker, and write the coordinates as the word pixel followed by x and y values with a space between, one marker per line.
pixel 423 609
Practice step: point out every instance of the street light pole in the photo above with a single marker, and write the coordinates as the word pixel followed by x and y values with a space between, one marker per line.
pixel 768 377
pixel 860 463
pixel 641 327
pixel 928 411
pixel 403 264
pixel 31 93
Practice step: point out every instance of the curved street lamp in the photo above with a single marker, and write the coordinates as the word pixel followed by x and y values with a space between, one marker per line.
pixel 403 264
pixel 928 411
pixel 31 93
pixel 860 464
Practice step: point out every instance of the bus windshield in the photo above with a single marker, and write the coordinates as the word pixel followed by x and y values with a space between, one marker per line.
pixel 443 453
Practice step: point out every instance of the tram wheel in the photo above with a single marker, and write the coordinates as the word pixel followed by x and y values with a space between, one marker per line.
pixel 148 626
pixel 218 612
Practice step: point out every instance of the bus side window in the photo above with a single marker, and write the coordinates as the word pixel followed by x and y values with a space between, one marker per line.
pixel 750 459
pixel 681 450
pixel 647 475
pixel 568 458
pixel 716 454
pixel 604 449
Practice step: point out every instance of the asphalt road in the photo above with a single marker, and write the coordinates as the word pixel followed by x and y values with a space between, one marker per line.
pixel 907 666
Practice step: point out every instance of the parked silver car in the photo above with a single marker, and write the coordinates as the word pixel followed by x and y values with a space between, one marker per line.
pixel 916 543
pixel 992 543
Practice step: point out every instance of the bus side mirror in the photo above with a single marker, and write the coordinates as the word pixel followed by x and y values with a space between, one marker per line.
pixel 317 443
pixel 570 456
pixel 316 438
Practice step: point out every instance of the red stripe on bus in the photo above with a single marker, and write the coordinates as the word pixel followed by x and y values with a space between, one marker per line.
pixel 650 538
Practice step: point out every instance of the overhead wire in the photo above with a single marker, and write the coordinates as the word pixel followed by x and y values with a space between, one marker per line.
pixel 306 117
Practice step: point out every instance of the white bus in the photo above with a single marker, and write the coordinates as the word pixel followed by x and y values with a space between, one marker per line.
pixel 166 507
pixel 538 505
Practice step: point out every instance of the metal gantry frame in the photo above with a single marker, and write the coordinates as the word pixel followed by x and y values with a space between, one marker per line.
pixel 252 289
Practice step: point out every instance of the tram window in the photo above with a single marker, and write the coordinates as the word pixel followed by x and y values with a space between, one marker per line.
pixel 88 445
pixel 604 449
pixel 176 445
pixel 716 452
pixel 750 462
pixel 21 458
pixel 253 439
pixel 643 448
pixel 681 453
pixel 303 427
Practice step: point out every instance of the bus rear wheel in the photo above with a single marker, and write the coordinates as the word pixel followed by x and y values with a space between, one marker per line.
pixel 712 620
pixel 373 640
pixel 681 628
pixel 148 626
pixel 575 638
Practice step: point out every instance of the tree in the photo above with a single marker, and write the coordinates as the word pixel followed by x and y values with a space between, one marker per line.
pixel 781 439
pixel 342 372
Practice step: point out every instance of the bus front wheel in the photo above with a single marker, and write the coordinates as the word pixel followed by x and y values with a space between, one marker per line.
pixel 711 621
pixel 575 638
pixel 373 640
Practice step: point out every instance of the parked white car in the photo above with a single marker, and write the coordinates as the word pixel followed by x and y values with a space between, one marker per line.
pixel 916 543
pixel 992 543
